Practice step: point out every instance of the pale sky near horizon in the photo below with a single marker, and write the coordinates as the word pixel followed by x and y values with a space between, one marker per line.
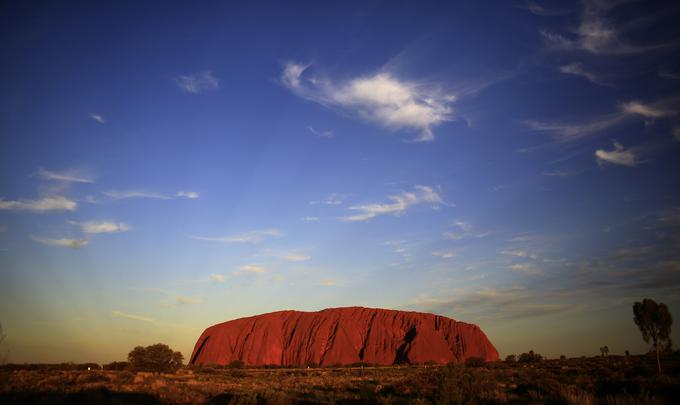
pixel 164 168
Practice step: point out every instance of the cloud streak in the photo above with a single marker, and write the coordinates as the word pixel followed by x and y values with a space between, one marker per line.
pixel 119 314
pixel 566 132
pixel 198 82
pixel 43 205
pixel 619 156
pixel 68 243
pixel 246 237
pixel 98 117
pixel 577 69
pixel 381 98
pixel 69 176
pixel 595 34
pixel 397 205
pixel 94 227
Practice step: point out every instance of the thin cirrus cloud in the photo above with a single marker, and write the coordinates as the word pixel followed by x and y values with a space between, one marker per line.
pixel 464 230
pixel 120 314
pixel 577 69
pixel 619 156
pixel 246 237
pixel 648 111
pixel 297 257
pixel 125 194
pixel 68 243
pixel 68 176
pixel 566 132
pixel 198 82
pixel 398 204
pixel 321 134
pixel 510 303
pixel 187 300
pixel 98 117
pixel 94 227
pixel 444 254
pixel 187 194
pixel 217 278
pixel 43 205
pixel 330 199
pixel 381 98
pixel 250 268
pixel 595 34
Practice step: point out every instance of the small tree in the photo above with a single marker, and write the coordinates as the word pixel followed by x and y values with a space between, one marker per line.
pixel 604 351
pixel 157 358
pixel 654 321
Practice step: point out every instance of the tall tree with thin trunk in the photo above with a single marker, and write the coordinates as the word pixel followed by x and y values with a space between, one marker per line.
pixel 654 321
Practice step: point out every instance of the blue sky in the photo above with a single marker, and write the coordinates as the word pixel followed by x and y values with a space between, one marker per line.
pixel 163 169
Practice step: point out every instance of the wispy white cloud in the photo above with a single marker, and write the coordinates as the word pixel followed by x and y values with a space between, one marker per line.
pixel 561 173
pixel 251 268
pixel 537 9
pixel 198 82
pixel 322 134
pixel 330 199
pixel 618 156
pixel 70 176
pixel 69 243
pixel 47 204
pixel 98 117
pixel 94 227
pixel 382 98
pixel 595 33
pixel 574 131
pixel 329 282
pixel 217 278
pixel 527 268
pixel 464 231
pixel 297 257
pixel 577 69
pixel 629 110
pixel 646 110
pixel 246 237
pixel 398 204
pixel 519 253
pixel 119 314
pixel 187 194
pixel 310 219
pixel 124 194
pixel 509 303
pixel 187 300
pixel 444 254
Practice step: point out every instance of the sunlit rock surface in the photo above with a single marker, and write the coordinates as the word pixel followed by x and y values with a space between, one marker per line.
pixel 342 336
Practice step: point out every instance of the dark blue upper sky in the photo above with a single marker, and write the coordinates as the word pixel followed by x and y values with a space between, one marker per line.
pixel 167 166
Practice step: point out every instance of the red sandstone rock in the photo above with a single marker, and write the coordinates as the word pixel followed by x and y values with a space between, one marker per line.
pixel 342 336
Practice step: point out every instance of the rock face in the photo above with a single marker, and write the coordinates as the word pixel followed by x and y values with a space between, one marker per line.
pixel 342 336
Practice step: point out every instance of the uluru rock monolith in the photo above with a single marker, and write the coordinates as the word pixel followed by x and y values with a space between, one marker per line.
pixel 342 336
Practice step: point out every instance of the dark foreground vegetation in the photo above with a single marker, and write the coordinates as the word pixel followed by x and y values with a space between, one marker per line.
pixel 596 380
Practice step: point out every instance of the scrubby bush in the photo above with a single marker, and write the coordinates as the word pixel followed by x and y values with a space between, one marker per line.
pixel 156 358
pixel 530 357
pixel 116 366
pixel 510 358
pixel 473 362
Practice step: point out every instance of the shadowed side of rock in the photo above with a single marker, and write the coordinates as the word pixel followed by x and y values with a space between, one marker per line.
pixel 342 336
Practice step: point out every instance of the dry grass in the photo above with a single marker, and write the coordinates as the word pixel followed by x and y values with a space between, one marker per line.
pixel 614 380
